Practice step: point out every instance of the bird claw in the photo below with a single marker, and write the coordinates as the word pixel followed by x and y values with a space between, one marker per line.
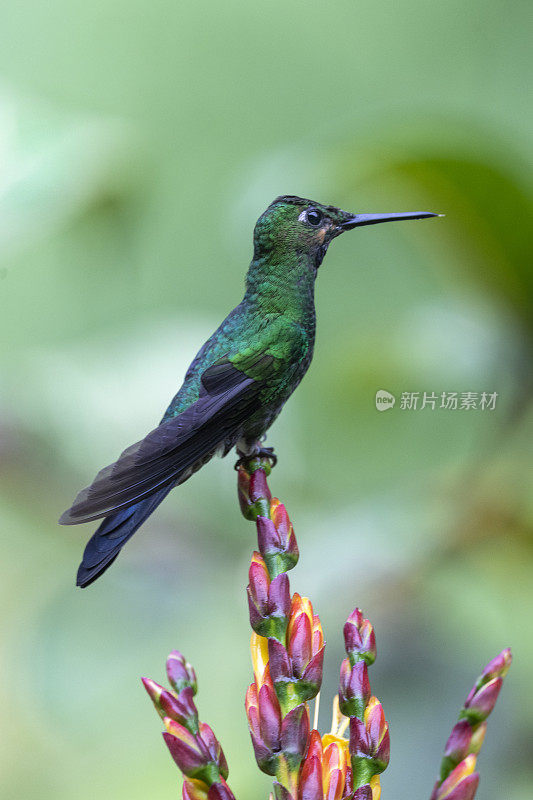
pixel 259 453
pixel 268 452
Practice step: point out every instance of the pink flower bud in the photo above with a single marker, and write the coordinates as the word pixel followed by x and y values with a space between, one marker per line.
pixel 458 745
pixel 155 691
pixel 180 673
pixel 313 671
pixel 269 717
pixel 369 738
pixel 300 644
pixel 479 704
pixel 354 688
pixel 259 486
pixel 295 732
pixel 499 666
pixel 280 518
pixel 180 708
pixel 279 662
pixel 253 491
pixel 259 581
pixel 213 748
pixel 276 539
pixel 310 783
pixel 220 791
pixel 335 769
pixel 190 755
pixel 269 601
pixel 359 638
pixel 267 536
pixel 304 634
pixel 264 722
pixel 461 783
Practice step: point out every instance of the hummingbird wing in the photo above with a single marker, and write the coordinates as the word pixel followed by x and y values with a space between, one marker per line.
pixel 228 397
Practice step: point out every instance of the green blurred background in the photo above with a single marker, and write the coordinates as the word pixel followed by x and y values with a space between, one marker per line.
pixel 139 141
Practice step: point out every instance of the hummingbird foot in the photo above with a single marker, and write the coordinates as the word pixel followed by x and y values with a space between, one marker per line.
pixel 268 452
pixel 257 451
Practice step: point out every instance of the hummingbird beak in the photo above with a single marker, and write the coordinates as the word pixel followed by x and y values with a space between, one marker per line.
pixel 358 220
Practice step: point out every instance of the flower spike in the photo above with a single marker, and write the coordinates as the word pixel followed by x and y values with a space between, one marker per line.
pixel 369 745
pixel 192 744
pixel 458 780
pixel 287 650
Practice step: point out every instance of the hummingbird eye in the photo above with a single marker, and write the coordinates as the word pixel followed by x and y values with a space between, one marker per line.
pixel 313 217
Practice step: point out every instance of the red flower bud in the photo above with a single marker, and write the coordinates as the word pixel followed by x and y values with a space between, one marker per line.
pixel 354 688
pixel 180 673
pixel 264 721
pixel 253 491
pixel 254 494
pixel 279 662
pixel 300 644
pixel 259 486
pixel 280 518
pixel 269 717
pixel 214 748
pixel 296 671
pixel 461 783
pixel 220 791
pixel 369 740
pixel 188 752
pixel 304 634
pixel 458 744
pixel 180 708
pixel 269 601
pixel 498 667
pixel 267 536
pixel 295 733
pixel 359 638
pixel 313 672
pixel 276 539
pixel 480 703
pixel 310 782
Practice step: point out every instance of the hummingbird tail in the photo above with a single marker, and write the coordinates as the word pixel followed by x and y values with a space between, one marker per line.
pixel 116 529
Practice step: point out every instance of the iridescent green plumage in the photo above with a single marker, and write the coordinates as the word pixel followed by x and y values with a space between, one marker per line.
pixel 237 384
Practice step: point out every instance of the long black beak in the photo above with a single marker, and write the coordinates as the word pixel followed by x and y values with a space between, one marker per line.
pixel 372 219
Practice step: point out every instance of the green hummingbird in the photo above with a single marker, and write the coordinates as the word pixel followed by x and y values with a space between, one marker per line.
pixel 236 385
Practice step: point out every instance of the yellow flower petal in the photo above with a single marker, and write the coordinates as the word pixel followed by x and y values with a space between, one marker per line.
pixel 330 738
pixel 461 771
pixel 376 787
pixel 259 651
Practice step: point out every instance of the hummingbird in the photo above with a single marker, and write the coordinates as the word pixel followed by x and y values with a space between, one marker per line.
pixel 237 383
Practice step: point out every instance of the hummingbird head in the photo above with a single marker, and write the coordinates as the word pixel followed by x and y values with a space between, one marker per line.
pixel 293 225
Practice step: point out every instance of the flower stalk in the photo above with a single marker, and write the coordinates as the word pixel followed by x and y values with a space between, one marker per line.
pixel 191 743
pixel 287 650
pixel 369 732
pixel 458 779
pixel 287 643
pixel 287 654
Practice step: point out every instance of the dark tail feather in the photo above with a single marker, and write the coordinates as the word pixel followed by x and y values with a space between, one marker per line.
pixel 107 542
